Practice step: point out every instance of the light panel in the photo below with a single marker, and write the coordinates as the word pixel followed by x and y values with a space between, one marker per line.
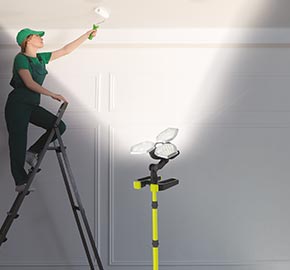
pixel 142 148
pixel 167 135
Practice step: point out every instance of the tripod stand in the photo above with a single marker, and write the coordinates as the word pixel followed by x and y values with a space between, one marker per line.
pixel 71 188
pixel 163 151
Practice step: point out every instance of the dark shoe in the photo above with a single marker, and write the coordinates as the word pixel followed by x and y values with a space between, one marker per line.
pixel 31 158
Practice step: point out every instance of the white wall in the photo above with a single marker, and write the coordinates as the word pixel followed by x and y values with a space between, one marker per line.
pixel 228 95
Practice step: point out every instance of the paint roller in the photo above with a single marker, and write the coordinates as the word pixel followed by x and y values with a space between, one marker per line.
pixel 103 14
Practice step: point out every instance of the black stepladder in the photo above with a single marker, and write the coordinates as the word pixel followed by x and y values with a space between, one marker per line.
pixel 73 194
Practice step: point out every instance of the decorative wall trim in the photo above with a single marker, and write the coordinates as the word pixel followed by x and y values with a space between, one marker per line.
pixel 187 36
pixel 98 83
pixel 206 263
pixel 97 198
pixel 211 264
pixel 112 86
pixel 111 195
pixel 43 264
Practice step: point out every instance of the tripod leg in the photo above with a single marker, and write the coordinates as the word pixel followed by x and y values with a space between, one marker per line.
pixel 155 244
pixel 77 196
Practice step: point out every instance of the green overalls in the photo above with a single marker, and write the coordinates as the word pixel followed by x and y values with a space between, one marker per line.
pixel 22 107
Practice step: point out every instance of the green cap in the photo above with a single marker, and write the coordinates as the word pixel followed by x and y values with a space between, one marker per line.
pixel 24 33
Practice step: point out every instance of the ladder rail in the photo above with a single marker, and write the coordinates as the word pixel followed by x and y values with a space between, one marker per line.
pixel 73 206
pixel 78 199
pixel 11 215
pixel 20 197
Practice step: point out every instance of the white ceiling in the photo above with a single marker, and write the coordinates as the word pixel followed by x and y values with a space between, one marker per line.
pixel 64 14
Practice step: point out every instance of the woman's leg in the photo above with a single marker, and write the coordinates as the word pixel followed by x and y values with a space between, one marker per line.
pixel 17 118
pixel 45 119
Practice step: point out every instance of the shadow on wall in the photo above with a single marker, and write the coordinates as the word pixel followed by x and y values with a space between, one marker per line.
pixel 233 198
pixel 275 15
pixel 238 165
pixel 48 209
pixel 6 57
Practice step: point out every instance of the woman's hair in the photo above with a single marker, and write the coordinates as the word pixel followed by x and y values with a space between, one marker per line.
pixel 24 44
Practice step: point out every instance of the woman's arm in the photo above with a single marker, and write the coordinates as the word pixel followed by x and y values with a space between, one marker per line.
pixel 34 86
pixel 72 45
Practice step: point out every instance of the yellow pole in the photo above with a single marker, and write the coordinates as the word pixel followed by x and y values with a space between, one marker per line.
pixel 154 189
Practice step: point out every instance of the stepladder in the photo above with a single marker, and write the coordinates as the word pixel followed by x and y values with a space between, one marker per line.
pixel 79 213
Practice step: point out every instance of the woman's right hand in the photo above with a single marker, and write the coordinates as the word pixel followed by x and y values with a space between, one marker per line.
pixel 59 97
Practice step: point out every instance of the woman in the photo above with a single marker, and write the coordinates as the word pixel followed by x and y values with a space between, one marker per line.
pixel 22 106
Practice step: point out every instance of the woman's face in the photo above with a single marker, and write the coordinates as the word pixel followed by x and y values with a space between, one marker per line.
pixel 35 41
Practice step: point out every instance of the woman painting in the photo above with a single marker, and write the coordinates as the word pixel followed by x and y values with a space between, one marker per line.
pixel 22 106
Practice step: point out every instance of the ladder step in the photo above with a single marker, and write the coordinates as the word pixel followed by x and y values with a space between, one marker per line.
pixel 52 148
pixel 77 208
pixel 30 170
pixel 58 149
pixel 10 214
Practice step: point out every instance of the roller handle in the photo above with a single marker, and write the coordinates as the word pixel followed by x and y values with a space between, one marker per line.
pixel 95 27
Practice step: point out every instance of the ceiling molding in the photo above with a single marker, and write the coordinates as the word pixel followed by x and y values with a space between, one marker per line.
pixel 185 37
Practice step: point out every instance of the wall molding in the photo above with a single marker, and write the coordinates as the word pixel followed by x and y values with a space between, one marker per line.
pixel 98 85
pixel 97 198
pixel 206 263
pixel 111 195
pixel 43 264
pixel 112 88
pixel 151 37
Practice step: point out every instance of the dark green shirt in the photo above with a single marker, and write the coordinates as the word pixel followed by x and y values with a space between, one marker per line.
pixel 21 61
pixel 38 73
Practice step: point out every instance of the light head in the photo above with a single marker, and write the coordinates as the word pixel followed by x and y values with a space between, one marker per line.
pixel 162 149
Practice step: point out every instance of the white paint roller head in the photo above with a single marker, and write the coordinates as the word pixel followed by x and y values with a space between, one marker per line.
pixel 102 12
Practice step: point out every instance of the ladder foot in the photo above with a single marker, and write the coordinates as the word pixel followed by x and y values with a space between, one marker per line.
pixel 3 241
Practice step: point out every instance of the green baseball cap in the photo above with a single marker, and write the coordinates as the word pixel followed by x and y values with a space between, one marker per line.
pixel 24 33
